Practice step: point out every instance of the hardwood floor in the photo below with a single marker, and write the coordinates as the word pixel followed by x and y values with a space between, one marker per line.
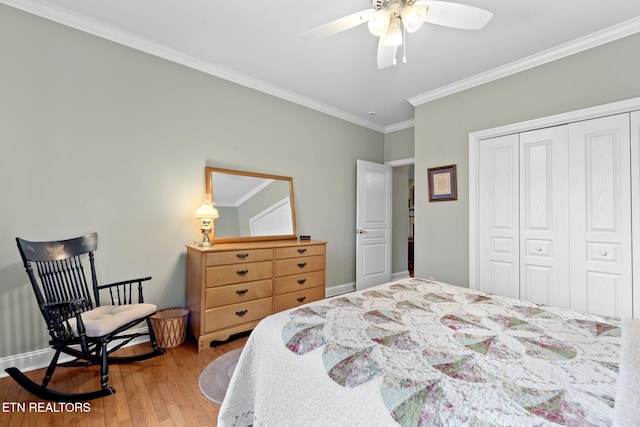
pixel 157 392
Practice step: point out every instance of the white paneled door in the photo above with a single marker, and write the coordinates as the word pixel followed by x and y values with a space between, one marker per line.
pixel 600 183
pixel 544 216
pixel 373 224
pixel 498 216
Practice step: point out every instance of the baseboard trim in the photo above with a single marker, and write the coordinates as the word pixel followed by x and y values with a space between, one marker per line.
pixel 339 289
pixel 332 291
pixel 39 359
pixel 400 275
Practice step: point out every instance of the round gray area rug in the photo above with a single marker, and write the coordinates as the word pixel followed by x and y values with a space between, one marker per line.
pixel 215 378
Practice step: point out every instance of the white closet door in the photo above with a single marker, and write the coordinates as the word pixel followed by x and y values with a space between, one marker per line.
pixel 635 186
pixel 498 224
pixel 544 216
pixel 600 208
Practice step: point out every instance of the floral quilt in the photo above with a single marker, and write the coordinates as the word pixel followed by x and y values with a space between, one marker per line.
pixel 439 354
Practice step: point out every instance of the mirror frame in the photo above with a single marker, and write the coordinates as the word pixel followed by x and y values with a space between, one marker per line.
pixel 208 177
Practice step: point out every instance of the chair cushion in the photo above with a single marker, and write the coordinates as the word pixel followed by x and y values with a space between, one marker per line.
pixel 105 319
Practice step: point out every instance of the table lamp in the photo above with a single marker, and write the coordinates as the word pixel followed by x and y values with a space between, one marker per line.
pixel 207 213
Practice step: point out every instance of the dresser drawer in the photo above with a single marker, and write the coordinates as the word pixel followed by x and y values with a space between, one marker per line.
pixel 236 257
pixel 238 293
pixel 294 299
pixel 235 314
pixel 286 267
pixel 238 273
pixel 298 251
pixel 298 282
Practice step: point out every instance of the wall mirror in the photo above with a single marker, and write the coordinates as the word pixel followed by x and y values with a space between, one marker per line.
pixel 252 206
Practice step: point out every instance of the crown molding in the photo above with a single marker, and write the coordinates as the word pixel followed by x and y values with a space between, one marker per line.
pixel 598 38
pixel 117 35
pixel 399 126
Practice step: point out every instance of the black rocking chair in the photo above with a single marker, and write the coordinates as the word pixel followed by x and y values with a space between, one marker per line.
pixel 78 324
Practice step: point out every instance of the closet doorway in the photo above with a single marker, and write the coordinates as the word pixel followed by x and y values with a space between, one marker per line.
pixel 552 209
pixel 402 256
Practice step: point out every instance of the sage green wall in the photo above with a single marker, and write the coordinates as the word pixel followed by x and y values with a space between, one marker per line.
pixel 399 145
pixel 227 224
pixel 600 75
pixel 96 136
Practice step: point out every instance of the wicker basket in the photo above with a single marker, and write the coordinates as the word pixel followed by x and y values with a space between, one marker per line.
pixel 170 326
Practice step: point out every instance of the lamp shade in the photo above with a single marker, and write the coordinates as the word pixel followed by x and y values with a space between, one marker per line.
pixel 207 210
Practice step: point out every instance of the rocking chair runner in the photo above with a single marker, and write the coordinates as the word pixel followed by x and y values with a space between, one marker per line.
pixel 78 324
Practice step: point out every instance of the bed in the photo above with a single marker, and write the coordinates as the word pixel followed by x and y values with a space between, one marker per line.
pixel 416 352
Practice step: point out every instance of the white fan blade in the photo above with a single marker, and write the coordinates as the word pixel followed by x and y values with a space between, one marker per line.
pixel 386 54
pixel 339 25
pixel 455 15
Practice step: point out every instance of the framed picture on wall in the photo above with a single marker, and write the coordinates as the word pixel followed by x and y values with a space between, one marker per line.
pixel 442 184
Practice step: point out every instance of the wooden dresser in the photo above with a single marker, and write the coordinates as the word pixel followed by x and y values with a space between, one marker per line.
pixel 232 286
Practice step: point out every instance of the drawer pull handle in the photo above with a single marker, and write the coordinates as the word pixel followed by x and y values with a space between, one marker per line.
pixel 301 251
pixel 242 291
pixel 242 272
pixel 241 313
pixel 301 299
pixel 302 264
pixel 603 253
pixel 301 281
pixel 242 256
pixel 538 249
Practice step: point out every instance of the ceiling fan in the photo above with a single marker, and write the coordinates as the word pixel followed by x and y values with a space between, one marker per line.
pixel 390 20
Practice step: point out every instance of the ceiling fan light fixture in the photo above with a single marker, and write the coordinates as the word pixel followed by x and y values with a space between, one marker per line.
pixel 393 36
pixel 390 20
pixel 379 23
pixel 413 17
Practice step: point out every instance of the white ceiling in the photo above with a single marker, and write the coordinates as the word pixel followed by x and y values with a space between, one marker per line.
pixel 257 43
